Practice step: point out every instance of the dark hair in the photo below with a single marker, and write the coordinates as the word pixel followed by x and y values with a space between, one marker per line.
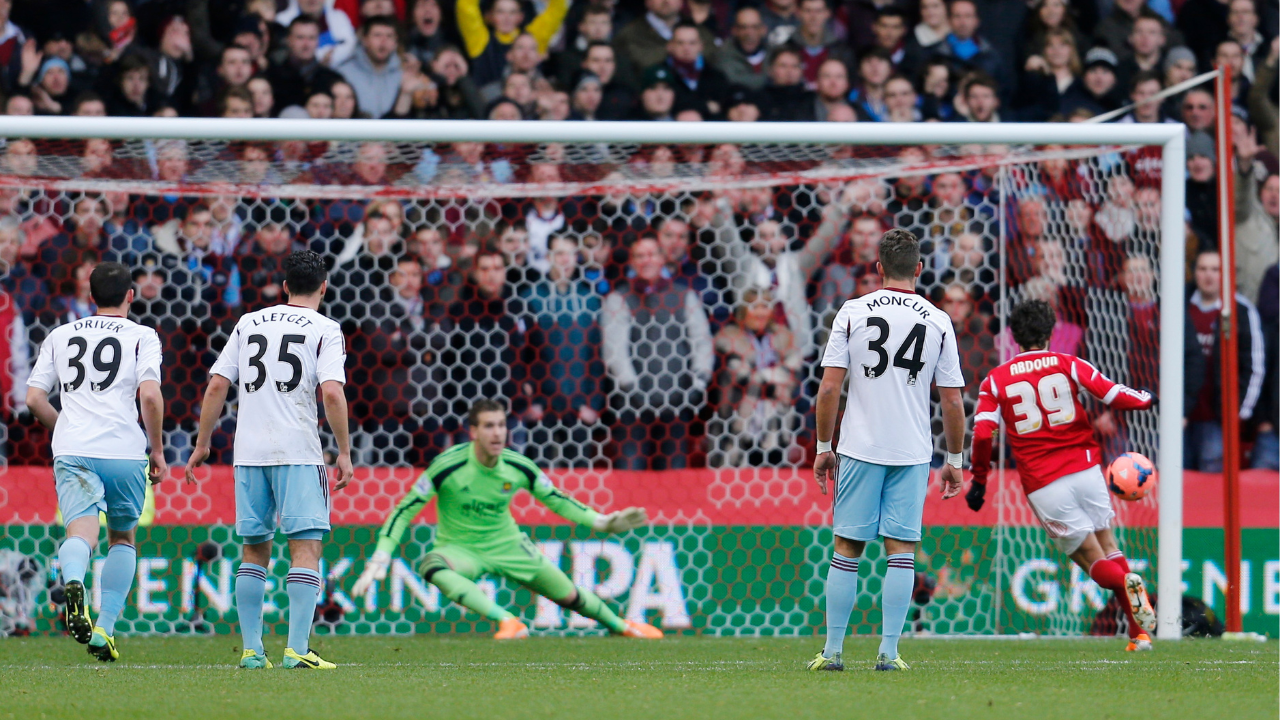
pixel 304 272
pixel 892 11
pixel 384 20
pixel 1032 323
pixel 303 19
pixel 109 283
pixel 87 96
pixel 222 56
pixel 129 63
pixel 688 24
pixel 481 406
pixel 196 209
pixel 597 9
pixel 599 43
pixel 781 50
pixel 239 92
pixel 1144 76
pixel 899 254
pixel 980 78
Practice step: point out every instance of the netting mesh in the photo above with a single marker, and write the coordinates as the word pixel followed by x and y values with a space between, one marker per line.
pixel 641 308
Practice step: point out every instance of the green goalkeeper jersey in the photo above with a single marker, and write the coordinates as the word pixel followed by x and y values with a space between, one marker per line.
pixel 474 501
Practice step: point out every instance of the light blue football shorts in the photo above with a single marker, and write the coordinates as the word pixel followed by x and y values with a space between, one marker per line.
pixel 294 498
pixel 879 500
pixel 88 486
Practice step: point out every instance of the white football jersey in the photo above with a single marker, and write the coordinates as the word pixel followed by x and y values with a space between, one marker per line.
pixel 278 357
pixel 97 363
pixel 894 344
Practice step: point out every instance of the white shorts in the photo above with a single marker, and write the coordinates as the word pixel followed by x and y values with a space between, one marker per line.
pixel 1073 506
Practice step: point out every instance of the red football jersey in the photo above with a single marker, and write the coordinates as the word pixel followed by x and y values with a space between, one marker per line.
pixel 1037 395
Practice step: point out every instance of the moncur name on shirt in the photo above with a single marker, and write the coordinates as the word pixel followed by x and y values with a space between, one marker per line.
pixel 285 317
pixel 907 301
pixel 1035 365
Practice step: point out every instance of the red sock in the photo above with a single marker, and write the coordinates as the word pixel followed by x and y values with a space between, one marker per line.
pixel 1110 575
pixel 1117 557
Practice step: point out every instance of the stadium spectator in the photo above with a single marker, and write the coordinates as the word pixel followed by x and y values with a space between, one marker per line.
pixel 1202 187
pixel 564 340
pixel 131 95
pixel 874 69
pixel 1257 211
pixel 966 51
pixel 934 25
pixel 974 339
pixel 698 85
pixel 981 98
pixel 817 41
pixel 1049 77
pixel 617 99
pixel 523 58
pixel 427 35
pixel 300 73
pixel 658 350
pixel 742 59
pixel 489 38
pixel 83 239
pixel 1145 52
pixel 1202 446
pixel 261 261
pixel 657 95
pixel 76 300
pixel 1100 92
pixel 785 97
pixel 1198 111
pixel 594 26
pixel 1266 447
pixel 758 361
pixel 335 39
pixel 1113 31
pixel 26 290
pixel 374 67
pixel 643 41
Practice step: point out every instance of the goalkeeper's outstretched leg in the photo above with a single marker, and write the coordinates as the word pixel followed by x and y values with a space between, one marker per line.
pixel 553 584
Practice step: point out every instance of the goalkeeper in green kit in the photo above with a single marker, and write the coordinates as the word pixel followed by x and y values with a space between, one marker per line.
pixel 474 483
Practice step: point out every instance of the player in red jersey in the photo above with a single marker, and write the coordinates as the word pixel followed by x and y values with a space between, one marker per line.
pixel 1036 396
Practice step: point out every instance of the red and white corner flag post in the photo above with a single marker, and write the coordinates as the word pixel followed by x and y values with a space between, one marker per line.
pixel 1230 351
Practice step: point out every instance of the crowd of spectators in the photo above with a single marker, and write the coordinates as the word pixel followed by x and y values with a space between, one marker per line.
pixel 643 329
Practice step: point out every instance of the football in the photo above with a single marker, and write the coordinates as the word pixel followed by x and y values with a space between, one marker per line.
pixel 1131 476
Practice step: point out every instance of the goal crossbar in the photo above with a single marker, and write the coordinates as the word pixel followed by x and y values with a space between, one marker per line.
pixel 1169 136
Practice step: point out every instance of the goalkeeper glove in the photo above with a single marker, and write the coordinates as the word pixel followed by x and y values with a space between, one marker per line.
pixel 374 571
pixel 621 521
pixel 976 496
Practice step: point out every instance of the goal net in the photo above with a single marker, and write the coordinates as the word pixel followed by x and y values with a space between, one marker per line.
pixel 653 314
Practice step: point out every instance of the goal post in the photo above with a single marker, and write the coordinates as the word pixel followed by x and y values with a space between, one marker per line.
pixel 1090 141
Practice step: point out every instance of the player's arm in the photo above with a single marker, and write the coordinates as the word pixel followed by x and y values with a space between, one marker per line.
pixel 335 411
pixel 953 430
pixel 42 379
pixel 215 399
pixel 1112 394
pixel 986 421
pixel 152 402
pixel 331 374
pixel 391 534
pixel 949 379
pixel 835 365
pixel 569 508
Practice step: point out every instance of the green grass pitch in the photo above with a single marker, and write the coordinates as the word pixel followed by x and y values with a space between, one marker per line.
pixel 452 677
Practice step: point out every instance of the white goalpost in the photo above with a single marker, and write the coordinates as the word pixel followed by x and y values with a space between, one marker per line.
pixel 1170 138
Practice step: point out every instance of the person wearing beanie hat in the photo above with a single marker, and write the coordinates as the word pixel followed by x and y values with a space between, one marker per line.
pixel 657 96
pixel 1099 92
pixel 52 87
pixel 1202 187
pixel 586 97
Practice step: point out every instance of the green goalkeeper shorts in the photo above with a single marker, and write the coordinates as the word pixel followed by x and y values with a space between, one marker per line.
pixel 518 560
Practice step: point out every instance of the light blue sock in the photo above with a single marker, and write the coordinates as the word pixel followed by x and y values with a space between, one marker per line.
pixel 304 586
pixel 117 579
pixel 842 593
pixel 899 582
pixel 73 558
pixel 251 588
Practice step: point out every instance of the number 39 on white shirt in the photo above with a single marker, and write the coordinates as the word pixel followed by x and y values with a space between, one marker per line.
pixel 1054 393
